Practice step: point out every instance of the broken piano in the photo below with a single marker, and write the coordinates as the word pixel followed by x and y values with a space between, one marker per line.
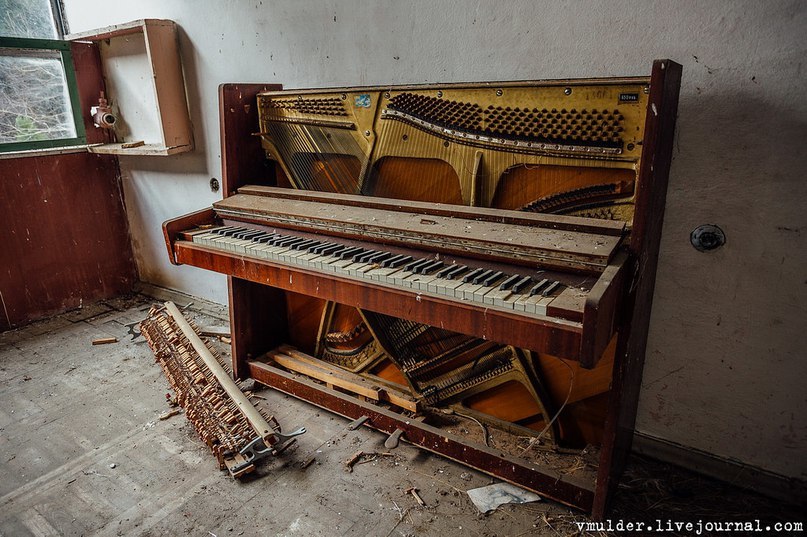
pixel 465 267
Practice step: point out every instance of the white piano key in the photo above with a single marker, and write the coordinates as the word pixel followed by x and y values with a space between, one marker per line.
pixel 521 303
pixel 540 307
pixel 358 269
pixel 445 287
pixel 415 281
pixel 379 273
pixel 466 291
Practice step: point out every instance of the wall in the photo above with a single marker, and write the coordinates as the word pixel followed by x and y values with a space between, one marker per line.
pixel 76 250
pixel 726 356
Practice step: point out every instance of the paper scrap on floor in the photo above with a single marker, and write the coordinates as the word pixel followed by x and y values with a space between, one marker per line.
pixel 488 498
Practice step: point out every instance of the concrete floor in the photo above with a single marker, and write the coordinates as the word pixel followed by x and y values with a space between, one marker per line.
pixel 82 452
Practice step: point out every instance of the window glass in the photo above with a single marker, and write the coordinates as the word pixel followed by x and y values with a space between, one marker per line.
pixel 34 99
pixel 27 18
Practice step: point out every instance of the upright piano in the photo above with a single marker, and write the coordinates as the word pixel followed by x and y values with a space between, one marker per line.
pixel 465 267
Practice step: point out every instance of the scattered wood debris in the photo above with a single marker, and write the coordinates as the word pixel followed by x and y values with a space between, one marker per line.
pixel 414 492
pixel 104 340
pixel 170 414
pixel 361 457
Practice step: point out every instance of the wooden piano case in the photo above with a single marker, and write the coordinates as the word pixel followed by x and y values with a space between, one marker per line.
pixel 589 362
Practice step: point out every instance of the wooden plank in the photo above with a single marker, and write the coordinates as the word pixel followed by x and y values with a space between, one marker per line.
pixel 461 236
pixel 346 381
pixel 162 49
pixel 115 30
pixel 565 488
pixel 386 393
pixel 141 150
pixel 551 221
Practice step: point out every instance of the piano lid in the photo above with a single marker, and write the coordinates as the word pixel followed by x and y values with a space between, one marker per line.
pixel 499 234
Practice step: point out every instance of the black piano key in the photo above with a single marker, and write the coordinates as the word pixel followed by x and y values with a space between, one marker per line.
pixel 430 267
pixel 282 241
pixel 400 261
pixel 393 259
pixel 292 243
pixel 445 271
pixel 304 245
pixel 538 286
pixel 471 275
pixel 420 267
pixel 491 279
pixel 266 237
pixel 249 235
pixel 378 257
pixel 481 276
pixel 321 247
pixel 334 251
pixel 363 254
pixel 414 265
pixel 521 285
pixel 365 257
pixel 344 254
pixel 509 282
pixel 548 291
pixel 456 271
pixel 228 232
pixel 222 231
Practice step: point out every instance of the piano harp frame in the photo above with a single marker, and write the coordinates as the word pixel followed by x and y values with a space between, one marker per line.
pixel 243 163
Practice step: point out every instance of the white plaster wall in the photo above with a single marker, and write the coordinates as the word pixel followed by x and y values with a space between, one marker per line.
pixel 726 359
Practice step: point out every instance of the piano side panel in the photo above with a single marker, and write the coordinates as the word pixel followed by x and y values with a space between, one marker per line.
pixel 252 325
pixel 242 158
pixel 645 238
pixel 172 228
pixel 257 321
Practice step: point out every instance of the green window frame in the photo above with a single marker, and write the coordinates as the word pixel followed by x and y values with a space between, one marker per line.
pixel 68 68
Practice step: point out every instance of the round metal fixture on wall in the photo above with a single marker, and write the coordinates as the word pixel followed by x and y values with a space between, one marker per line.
pixel 707 237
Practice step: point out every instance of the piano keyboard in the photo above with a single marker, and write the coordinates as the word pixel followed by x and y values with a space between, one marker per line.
pixel 483 286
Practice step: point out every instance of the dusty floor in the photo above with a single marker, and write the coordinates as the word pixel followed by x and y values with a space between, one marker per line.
pixel 82 452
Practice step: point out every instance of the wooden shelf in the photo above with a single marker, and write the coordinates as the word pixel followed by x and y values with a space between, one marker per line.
pixel 142 150
pixel 144 82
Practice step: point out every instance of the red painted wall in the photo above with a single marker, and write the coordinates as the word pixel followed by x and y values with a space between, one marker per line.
pixel 64 238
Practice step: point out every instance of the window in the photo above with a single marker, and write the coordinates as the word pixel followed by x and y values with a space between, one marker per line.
pixel 39 104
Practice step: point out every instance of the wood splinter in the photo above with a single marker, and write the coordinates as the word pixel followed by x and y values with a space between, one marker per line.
pixel 354 459
pixel 414 492
pixel 104 340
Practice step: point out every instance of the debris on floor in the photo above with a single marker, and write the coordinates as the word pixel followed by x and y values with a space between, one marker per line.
pixel 361 457
pixel 225 418
pixel 489 498
pixel 104 340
